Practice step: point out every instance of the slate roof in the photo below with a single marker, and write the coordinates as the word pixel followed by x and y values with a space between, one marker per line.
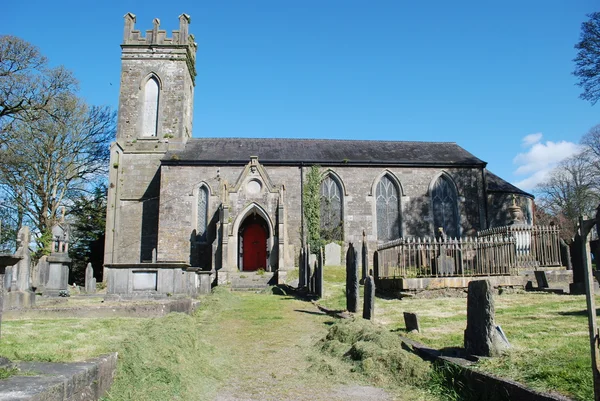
pixel 497 184
pixel 321 151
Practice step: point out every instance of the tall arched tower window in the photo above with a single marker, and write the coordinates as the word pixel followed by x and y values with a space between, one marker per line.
pixel 151 94
pixel 445 208
pixel 331 210
pixel 388 210
pixel 202 221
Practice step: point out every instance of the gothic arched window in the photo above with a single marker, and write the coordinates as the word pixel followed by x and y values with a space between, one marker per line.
pixel 445 208
pixel 388 210
pixel 202 221
pixel 150 122
pixel 331 210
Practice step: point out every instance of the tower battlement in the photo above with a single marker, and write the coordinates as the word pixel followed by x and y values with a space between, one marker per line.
pixel 156 36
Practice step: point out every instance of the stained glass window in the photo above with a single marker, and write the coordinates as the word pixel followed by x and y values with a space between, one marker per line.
pixel 445 213
pixel 151 91
pixel 388 212
pixel 331 210
pixel 202 213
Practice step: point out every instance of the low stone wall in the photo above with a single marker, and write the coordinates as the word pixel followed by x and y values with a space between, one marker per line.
pixel 433 283
pixel 487 386
pixel 154 309
pixel 78 381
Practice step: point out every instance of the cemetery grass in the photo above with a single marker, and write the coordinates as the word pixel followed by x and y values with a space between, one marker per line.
pixel 239 346
pixel 548 334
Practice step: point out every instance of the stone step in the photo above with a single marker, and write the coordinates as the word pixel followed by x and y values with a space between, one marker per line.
pixel 250 281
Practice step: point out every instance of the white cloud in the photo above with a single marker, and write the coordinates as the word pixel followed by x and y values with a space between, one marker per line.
pixel 541 157
pixel 531 139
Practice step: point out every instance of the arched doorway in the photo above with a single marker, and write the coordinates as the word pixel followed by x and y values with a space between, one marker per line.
pixel 253 236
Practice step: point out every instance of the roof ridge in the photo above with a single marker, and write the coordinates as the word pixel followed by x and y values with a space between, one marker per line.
pixel 326 140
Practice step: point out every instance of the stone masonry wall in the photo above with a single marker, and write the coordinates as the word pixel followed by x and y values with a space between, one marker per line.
pixel 175 105
pixel 178 201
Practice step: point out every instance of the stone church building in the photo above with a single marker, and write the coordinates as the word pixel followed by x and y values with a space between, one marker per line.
pixel 180 206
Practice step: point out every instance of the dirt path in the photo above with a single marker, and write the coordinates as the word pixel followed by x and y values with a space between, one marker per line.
pixel 271 340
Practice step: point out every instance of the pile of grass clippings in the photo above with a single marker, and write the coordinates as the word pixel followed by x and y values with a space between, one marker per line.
pixel 375 352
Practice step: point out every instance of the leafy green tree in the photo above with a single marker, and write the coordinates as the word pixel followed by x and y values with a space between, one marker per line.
pixel 587 62
pixel 311 199
pixel 88 217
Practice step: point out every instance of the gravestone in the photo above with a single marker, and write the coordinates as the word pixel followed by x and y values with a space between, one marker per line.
pixel 542 280
pixel 57 280
pixel 445 265
pixel 352 286
pixel 319 275
pixel 364 257
pixel 482 336
pixel 5 260
pixel 369 301
pixel 333 254
pixel 411 321
pixel 565 255
pixel 90 281
pixel 301 269
pixel 19 294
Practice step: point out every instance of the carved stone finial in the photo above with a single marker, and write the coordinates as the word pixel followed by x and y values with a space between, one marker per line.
pixel 184 21
pixel 129 26
pixel 514 212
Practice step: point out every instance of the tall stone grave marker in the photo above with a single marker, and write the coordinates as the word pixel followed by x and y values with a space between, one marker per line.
pixel 351 279
pixel 369 301
pixel 58 262
pixel 19 294
pixel 482 336
pixel 90 281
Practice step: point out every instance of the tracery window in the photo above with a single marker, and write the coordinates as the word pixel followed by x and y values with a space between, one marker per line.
pixel 445 209
pixel 202 221
pixel 150 122
pixel 331 210
pixel 388 212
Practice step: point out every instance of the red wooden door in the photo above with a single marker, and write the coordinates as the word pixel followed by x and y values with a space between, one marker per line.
pixel 255 247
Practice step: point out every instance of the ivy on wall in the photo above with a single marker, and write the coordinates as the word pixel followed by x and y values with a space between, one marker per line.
pixel 311 198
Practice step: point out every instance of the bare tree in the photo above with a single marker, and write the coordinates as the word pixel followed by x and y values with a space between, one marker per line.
pixel 570 191
pixel 54 156
pixel 27 84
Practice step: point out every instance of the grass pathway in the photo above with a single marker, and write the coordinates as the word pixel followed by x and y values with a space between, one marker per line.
pixel 270 343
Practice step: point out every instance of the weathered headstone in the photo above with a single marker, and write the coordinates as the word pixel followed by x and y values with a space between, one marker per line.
pixel 411 321
pixel 19 294
pixel 445 265
pixel 5 260
pixel 542 280
pixel 565 255
pixel 301 269
pixel 319 276
pixel 351 280
pixel 333 254
pixel 309 275
pixel 90 281
pixel 58 262
pixel 578 284
pixel 364 257
pixel 481 335
pixel 369 301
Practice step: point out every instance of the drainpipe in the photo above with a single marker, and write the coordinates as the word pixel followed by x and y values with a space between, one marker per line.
pixel 485 199
pixel 302 232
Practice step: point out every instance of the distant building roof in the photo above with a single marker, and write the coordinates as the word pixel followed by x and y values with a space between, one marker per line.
pixel 321 151
pixel 497 184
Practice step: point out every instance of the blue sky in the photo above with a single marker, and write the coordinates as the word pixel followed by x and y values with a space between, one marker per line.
pixel 495 77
